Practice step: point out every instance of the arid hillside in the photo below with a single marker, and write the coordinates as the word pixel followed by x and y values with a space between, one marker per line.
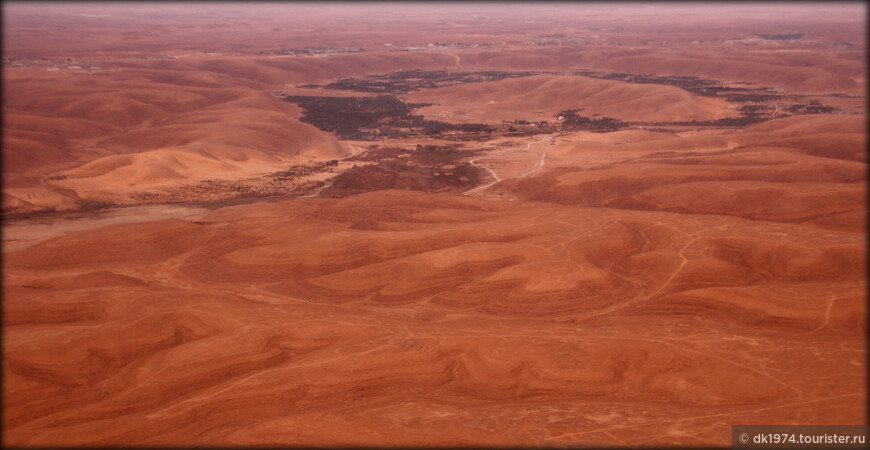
pixel 406 224
pixel 413 318
pixel 542 97
pixel 66 135
pixel 793 170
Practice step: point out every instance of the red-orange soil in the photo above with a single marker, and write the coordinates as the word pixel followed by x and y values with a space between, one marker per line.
pixel 188 260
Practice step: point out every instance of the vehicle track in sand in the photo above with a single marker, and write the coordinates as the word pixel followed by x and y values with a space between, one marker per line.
pixel 538 164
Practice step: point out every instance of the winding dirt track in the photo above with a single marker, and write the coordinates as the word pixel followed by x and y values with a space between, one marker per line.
pixel 316 192
pixel 538 164
pixel 541 156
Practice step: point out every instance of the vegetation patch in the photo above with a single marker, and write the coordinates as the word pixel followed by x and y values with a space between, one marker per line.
pixel 401 175
pixel 781 37
pixel 303 170
pixel 571 121
pixel 404 81
pixel 430 168
pixel 383 116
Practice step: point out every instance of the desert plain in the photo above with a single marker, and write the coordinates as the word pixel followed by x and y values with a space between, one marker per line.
pixel 431 224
